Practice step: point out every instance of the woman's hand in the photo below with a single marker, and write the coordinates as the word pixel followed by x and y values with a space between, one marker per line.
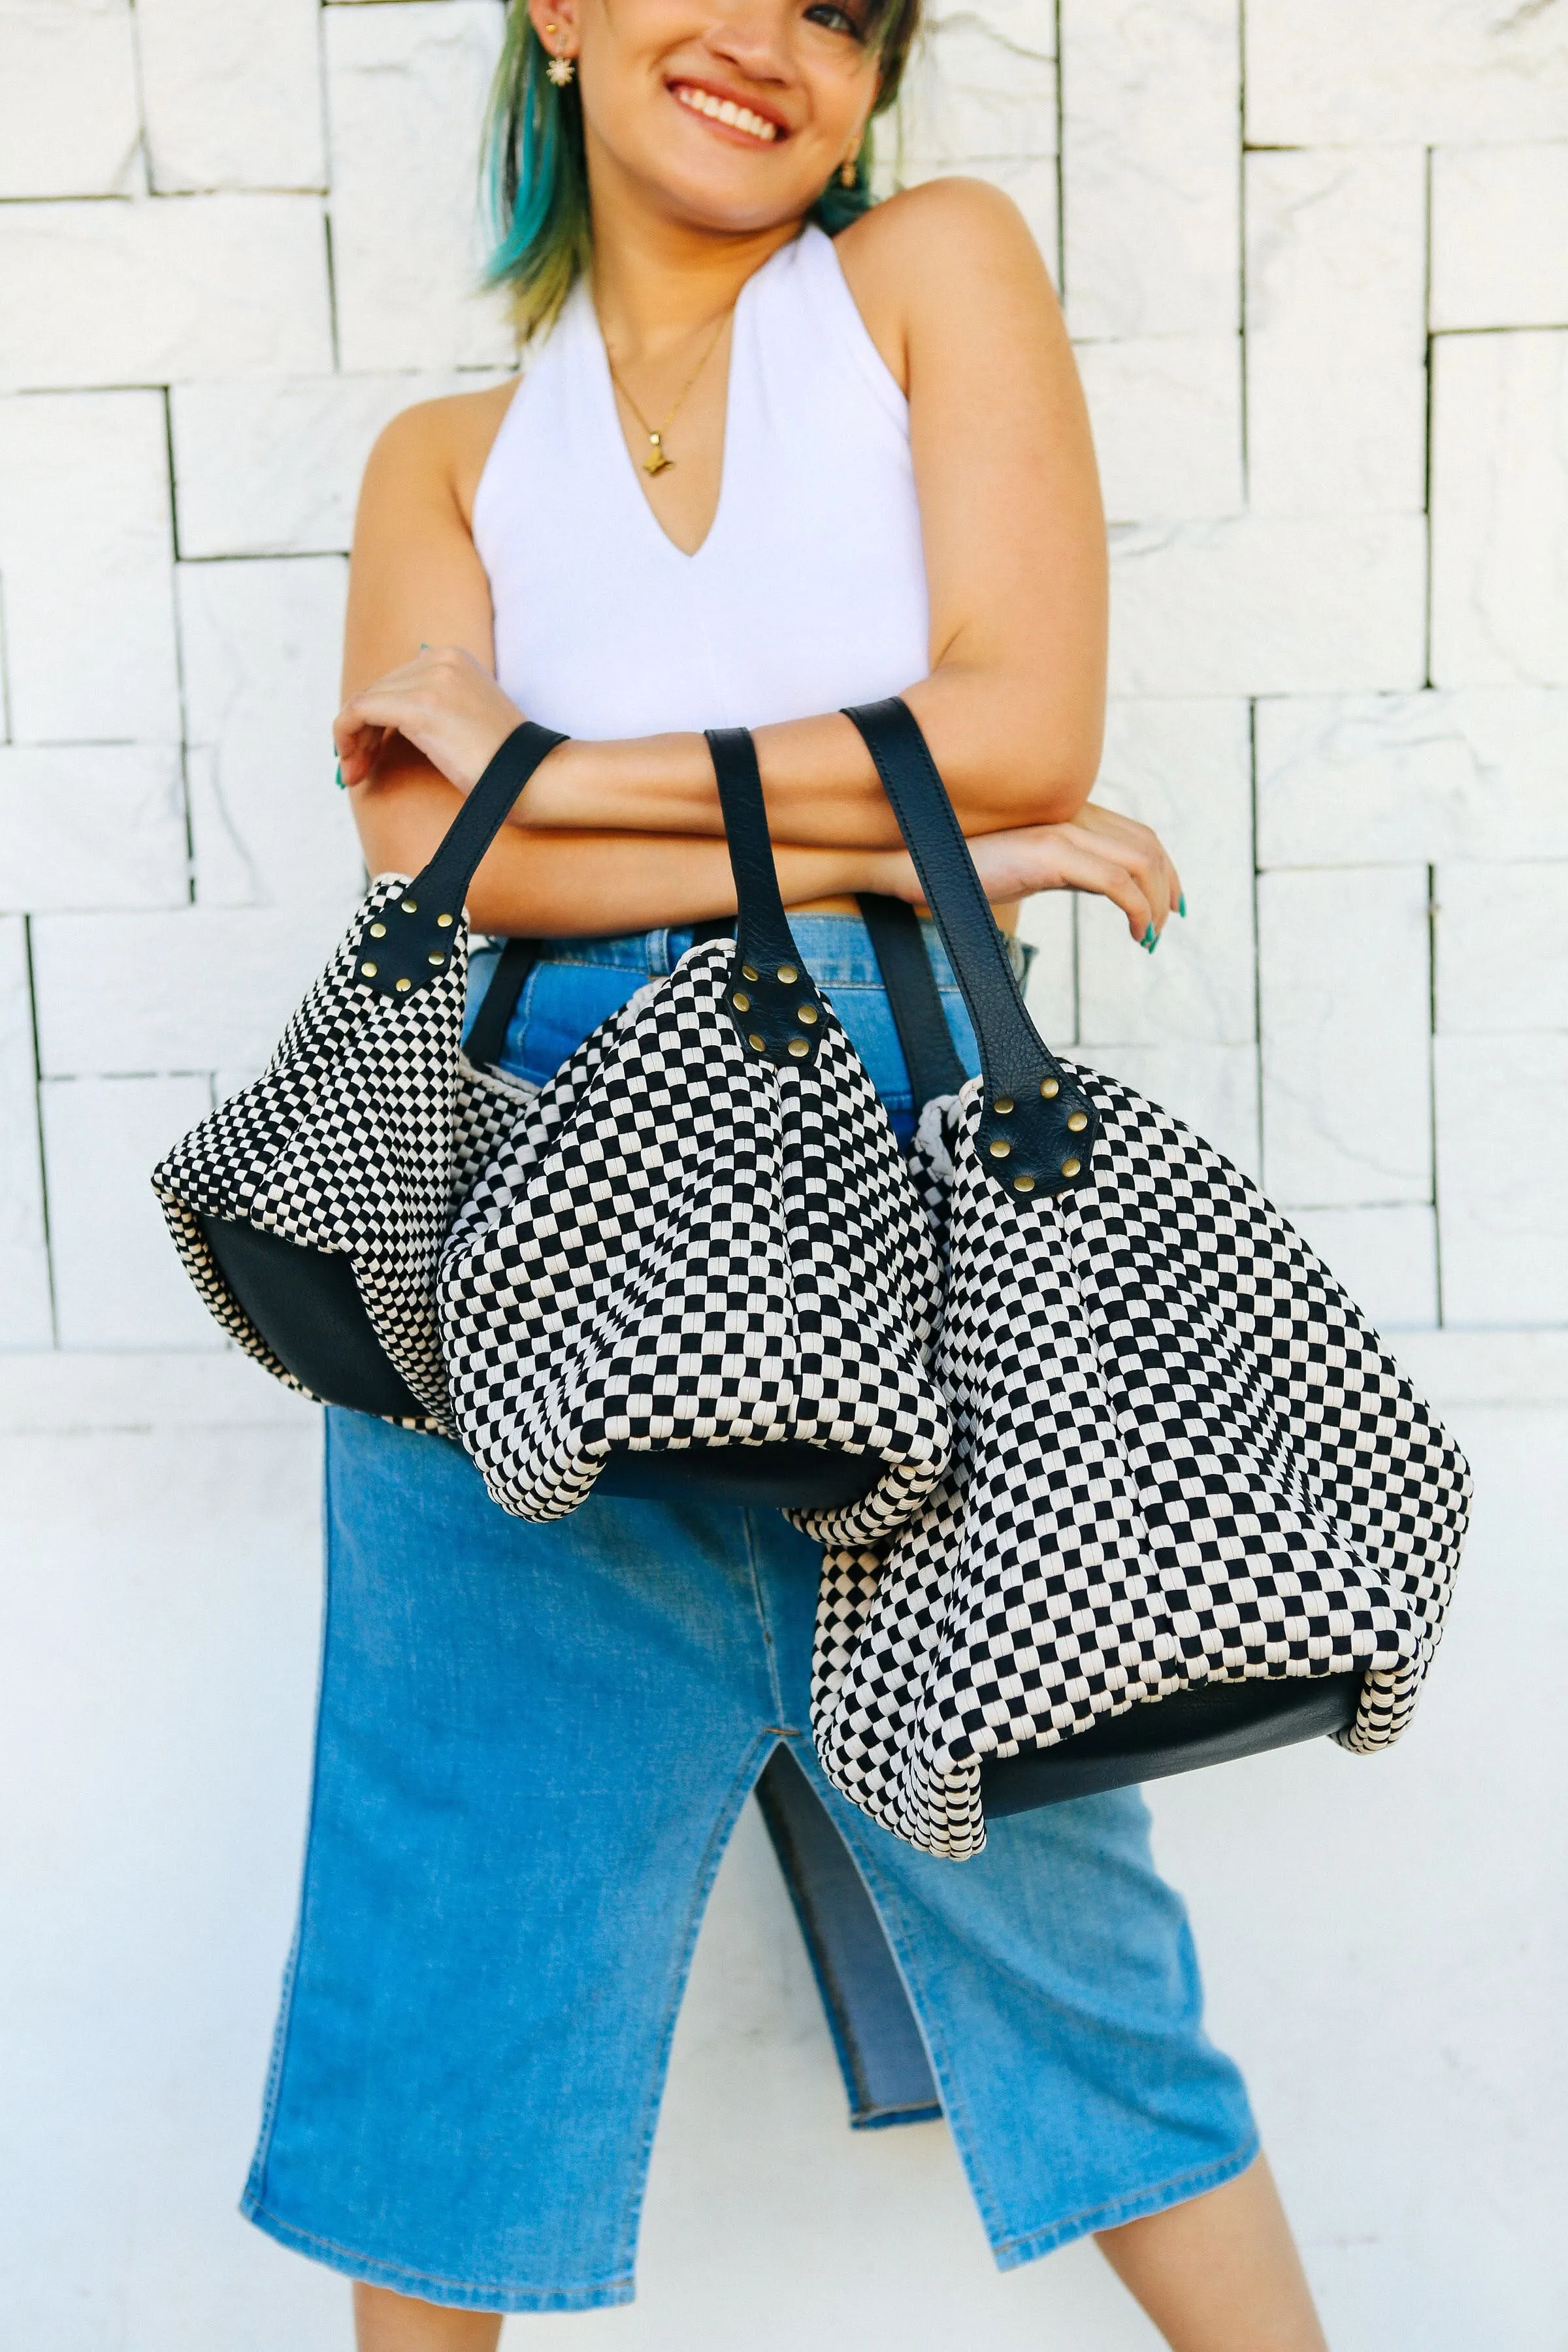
pixel 444 702
pixel 1109 855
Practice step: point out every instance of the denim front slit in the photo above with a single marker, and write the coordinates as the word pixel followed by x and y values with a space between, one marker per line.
pixel 532 1745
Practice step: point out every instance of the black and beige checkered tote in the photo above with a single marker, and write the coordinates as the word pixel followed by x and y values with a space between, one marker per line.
pixel 310 1209
pixel 701 1263
pixel 1195 1509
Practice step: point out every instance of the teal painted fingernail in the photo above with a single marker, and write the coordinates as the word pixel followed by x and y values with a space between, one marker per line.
pixel 342 786
pixel 1182 905
pixel 1148 939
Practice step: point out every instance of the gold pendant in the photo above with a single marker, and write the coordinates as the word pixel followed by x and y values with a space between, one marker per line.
pixel 657 463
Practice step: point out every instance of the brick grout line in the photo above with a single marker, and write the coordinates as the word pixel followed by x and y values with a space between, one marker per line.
pixel 38 1131
pixel 1426 422
pixel 1061 168
pixel 180 686
pixel 1256 939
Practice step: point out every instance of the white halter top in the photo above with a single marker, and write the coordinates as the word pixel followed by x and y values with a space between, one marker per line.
pixel 808 591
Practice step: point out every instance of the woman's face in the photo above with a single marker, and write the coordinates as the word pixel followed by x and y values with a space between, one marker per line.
pixel 725 114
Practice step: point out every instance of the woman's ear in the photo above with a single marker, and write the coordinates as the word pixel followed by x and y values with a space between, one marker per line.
pixel 555 22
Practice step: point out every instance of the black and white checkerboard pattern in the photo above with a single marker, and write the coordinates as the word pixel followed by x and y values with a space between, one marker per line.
pixel 361 1135
pixel 684 1245
pixel 1181 1454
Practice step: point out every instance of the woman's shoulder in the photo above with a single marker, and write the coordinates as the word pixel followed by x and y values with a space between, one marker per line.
pixel 939 254
pixel 438 448
pixel 927 236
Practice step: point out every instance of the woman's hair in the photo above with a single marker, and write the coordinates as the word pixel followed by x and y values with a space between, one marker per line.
pixel 537 176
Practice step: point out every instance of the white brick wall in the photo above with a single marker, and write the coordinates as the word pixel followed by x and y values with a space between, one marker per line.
pixel 240 238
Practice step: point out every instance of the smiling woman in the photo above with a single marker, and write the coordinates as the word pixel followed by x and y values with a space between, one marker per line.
pixel 777 451
pixel 538 163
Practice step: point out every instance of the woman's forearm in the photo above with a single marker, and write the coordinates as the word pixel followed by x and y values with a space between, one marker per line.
pixel 565 884
pixel 1013 750
pixel 1007 756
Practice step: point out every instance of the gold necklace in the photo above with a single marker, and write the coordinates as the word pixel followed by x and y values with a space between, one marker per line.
pixel 657 461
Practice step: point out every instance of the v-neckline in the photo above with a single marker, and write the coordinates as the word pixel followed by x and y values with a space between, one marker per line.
pixel 606 392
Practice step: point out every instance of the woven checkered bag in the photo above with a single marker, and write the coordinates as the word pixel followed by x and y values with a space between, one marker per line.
pixel 1195 1508
pixel 311 1208
pixel 700 1262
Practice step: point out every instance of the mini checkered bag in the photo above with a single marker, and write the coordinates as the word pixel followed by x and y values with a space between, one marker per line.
pixel 1195 1508
pixel 310 1209
pixel 700 1264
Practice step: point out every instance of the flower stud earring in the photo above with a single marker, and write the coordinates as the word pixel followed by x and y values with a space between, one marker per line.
pixel 560 69
pixel 847 170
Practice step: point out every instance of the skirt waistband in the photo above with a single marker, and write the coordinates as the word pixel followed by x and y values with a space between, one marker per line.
pixel 836 948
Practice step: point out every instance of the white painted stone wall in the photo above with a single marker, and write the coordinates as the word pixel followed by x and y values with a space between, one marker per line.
pixel 1313 262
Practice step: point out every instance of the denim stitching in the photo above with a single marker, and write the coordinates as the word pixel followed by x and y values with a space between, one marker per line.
pixel 550 2298
pixel 954 2107
pixel 769 1646
pixel 1177 2189
pixel 719 1839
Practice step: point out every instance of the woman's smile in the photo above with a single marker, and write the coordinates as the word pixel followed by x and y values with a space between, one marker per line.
pixel 728 113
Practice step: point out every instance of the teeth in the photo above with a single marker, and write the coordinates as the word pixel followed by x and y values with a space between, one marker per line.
pixel 724 110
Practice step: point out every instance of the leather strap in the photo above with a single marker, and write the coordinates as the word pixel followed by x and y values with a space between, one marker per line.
pixel 407 944
pixel 1037 1127
pixel 770 997
pixel 486 1040
pixel 898 941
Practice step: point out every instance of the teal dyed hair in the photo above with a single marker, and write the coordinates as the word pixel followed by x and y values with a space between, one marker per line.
pixel 536 175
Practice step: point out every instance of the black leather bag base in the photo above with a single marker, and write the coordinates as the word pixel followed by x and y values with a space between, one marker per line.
pixel 1214 1723
pixel 305 1304
pixel 790 1477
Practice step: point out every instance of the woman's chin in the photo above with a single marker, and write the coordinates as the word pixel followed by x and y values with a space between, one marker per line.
pixel 723 193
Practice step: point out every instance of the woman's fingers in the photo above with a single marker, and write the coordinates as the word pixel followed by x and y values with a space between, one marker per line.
pixel 1069 857
pixel 1143 854
pixel 444 702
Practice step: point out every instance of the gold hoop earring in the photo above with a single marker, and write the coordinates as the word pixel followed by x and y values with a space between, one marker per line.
pixel 848 173
pixel 560 69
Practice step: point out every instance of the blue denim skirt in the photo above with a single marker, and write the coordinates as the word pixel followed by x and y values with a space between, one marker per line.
pixel 532 1746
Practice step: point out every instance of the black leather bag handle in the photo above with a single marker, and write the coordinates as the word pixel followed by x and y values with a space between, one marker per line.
pixel 931 1057
pixel 770 997
pixel 407 944
pixel 1037 1127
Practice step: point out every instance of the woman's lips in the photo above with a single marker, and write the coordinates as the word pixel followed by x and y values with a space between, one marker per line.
pixel 731 112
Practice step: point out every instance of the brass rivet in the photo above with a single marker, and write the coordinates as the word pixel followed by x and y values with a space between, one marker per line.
pixel 747 974
pixel 1022 1183
pixel 436 956
pixel 1002 1106
pixel 1001 1149
pixel 1048 1087
pixel 410 907
pixel 378 930
pixel 799 1046
pixel 740 1000
pixel 1078 1121
pixel 368 970
pixel 760 1043
pixel 445 922
pixel 403 984
pixel 1071 1167
pixel 806 1015
pixel 787 972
